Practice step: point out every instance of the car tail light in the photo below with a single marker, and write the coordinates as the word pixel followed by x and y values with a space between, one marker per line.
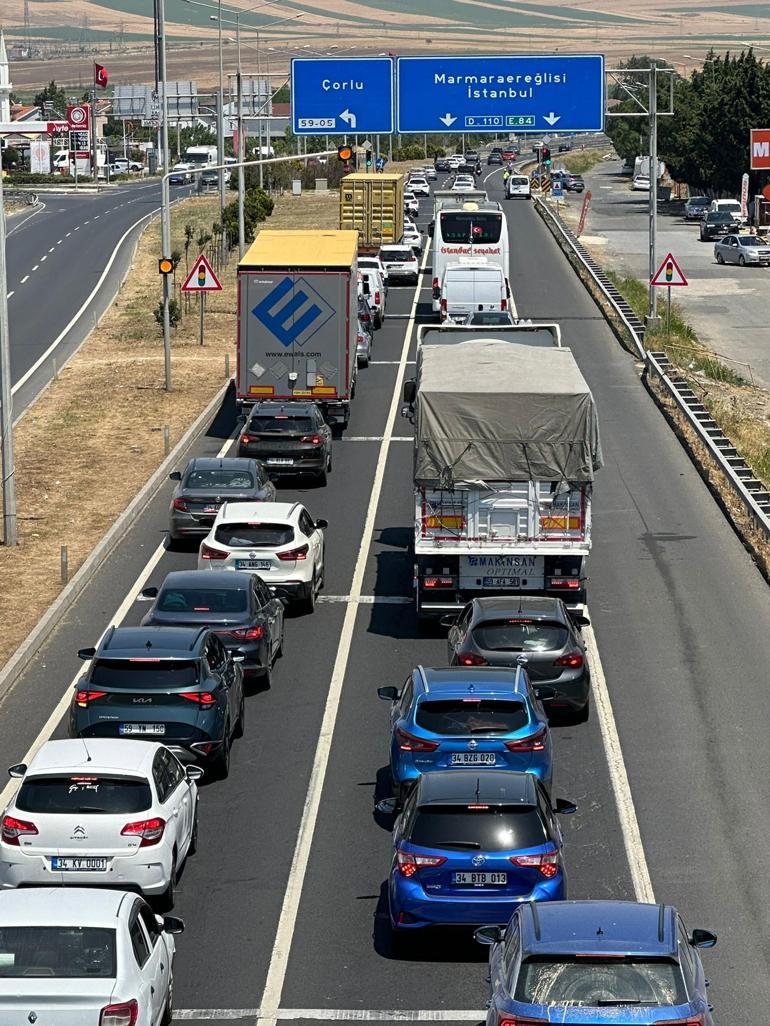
pixel 300 553
pixel 548 864
pixel 572 659
pixel 377 298
pixel 208 553
pixel 436 289
pixel 150 830
pixel 246 439
pixel 471 659
pixel 246 633
pixel 125 1013
pixel 409 862
pixel 181 505
pixel 443 308
pixel 569 583
pixel 408 743
pixel 365 317
pixel 205 698
pixel 533 743
pixel 503 304
pixel 504 1019
pixel 312 439
pixel 13 829
pixel 438 582
pixel 83 696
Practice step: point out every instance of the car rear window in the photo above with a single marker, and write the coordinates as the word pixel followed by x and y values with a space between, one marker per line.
pixel 398 255
pixel 492 828
pixel 57 952
pixel 471 227
pixel 463 716
pixel 83 793
pixel 202 600
pixel 520 636
pixel 144 672
pixel 219 480
pixel 281 423
pixel 720 217
pixel 583 981
pixel 248 536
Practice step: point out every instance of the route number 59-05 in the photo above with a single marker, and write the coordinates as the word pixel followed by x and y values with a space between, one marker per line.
pixel 317 123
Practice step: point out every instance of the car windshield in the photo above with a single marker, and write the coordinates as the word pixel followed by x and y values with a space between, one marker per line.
pixel 202 600
pixel 57 952
pixel 279 424
pixel 488 827
pixel 584 981
pixel 520 635
pixel 471 227
pixel 462 716
pixel 219 480
pixel 252 536
pixel 698 201
pixel 144 672
pixel 93 793
pixel 397 255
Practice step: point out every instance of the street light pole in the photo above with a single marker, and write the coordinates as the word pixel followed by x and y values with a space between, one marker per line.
pixel 653 210
pixel 241 149
pixel 6 398
pixel 165 210
pixel 221 131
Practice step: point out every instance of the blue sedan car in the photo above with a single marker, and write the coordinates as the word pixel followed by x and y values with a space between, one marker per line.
pixel 459 717
pixel 612 963
pixel 470 846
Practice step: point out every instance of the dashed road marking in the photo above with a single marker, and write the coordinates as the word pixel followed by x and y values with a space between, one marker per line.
pixel 331 1014
pixel 25 278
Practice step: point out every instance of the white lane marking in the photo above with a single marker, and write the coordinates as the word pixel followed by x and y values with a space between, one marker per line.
pixel 333 1014
pixel 25 278
pixel 59 242
pixel 78 313
pixel 377 438
pixel 68 235
pixel 10 293
pixel 61 707
pixel 96 217
pixel 75 229
pixel 629 825
pixel 20 224
pixel 500 168
pixel 369 600
pixel 36 267
pixel 86 222
pixel 52 248
pixel 279 957
pixel 44 257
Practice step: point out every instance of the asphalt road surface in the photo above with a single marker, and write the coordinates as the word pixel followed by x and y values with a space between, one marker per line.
pixel 57 259
pixel 284 900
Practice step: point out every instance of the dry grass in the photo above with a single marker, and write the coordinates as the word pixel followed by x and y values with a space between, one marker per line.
pixel 88 446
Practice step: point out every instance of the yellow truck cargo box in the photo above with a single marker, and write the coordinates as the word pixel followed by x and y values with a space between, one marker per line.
pixel 373 206
pixel 308 249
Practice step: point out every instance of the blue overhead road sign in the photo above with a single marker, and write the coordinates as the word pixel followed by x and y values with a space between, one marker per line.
pixel 342 95
pixel 548 93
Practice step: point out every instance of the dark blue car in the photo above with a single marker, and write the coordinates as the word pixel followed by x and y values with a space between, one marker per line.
pixel 459 717
pixel 470 846
pixel 597 963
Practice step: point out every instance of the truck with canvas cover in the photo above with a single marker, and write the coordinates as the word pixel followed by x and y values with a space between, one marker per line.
pixel 506 446
pixel 373 206
pixel 297 319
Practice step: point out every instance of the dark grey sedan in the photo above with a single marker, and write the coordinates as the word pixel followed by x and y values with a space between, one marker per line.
pixel 538 631
pixel 742 250
pixel 207 482
pixel 696 208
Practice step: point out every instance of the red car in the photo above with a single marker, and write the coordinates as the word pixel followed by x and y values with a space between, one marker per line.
pixel 509 154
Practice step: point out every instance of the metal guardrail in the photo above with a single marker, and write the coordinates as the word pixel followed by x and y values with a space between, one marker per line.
pixel 747 490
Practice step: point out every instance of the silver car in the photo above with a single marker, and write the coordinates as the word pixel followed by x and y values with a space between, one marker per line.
pixel 742 249
pixel 363 345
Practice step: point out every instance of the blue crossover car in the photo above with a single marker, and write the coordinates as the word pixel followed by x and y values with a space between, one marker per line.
pixel 471 845
pixel 614 963
pixel 460 717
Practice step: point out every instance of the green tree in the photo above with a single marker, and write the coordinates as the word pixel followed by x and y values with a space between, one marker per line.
pixel 257 207
pixel 54 95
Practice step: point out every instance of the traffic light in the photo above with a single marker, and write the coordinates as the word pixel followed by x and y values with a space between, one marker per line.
pixel 368 159
pixel 165 265
pixel 345 153
pixel 546 156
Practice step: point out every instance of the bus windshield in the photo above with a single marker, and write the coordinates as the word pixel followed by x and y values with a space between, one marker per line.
pixel 471 226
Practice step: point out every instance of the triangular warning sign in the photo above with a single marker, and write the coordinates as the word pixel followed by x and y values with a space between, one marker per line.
pixel 669 273
pixel 201 278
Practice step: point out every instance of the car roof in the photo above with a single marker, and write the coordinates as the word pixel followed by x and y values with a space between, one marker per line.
pixel 601 927
pixel 259 512
pixel 435 682
pixel 62 906
pixel 266 406
pixel 537 606
pixel 207 579
pixel 98 755
pixel 466 786
pixel 139 642
pixel 219 463
pixel 395 245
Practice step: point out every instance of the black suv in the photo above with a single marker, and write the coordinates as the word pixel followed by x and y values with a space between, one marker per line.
pixel 441 164
pixel 716 222
pixel 177 685
pixel 289 438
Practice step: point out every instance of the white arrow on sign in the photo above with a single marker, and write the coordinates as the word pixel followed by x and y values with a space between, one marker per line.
pixel 552 118
pixel 448 119
pixel 348 116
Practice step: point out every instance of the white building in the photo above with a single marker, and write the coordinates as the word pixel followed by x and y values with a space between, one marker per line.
pixel 5 82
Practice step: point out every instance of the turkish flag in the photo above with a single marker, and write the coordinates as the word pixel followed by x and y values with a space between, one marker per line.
pixel 100 76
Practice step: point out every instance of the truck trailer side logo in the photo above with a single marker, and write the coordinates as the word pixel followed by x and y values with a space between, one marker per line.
pixel 293 311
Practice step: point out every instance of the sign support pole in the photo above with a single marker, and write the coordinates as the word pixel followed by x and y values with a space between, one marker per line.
pixel 6 398
pixel 652 320
pixel 200 315
pixel 165 211
pixel 668 312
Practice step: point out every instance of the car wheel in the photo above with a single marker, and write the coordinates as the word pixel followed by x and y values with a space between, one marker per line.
pixel 329 464
pixel 240 726
pixel 166 900
pixel 720 258
pixel 222 760
pixel 322 477
pixel 174 544
pixel 168 1011
pixel 308 605
pixel 193 847
pixel 742 260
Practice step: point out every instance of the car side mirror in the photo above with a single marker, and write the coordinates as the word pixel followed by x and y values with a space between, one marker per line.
pixel 175 475
pixel 580 621
pixel 564 807
pixel 171 924
pixel 449 620
pixel 194 772
pixel 387 806
pixel 321 525
pixel 703 939
pixel 545 693
pixel 489 935
pixel 86 653
pixel 147 594
pixel 410 390
pixel 18 770
pixel 388 694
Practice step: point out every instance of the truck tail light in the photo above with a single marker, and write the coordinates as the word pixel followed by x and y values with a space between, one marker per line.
pixel 438 582
pixel 565 583
pixel 503 304
pixel 443 309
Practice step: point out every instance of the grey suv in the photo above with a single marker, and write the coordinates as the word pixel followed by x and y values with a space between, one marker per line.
pixel 289 438
pixel 207 482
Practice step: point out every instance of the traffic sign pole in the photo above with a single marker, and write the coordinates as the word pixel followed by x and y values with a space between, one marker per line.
pixel 6 398
pixel 652 319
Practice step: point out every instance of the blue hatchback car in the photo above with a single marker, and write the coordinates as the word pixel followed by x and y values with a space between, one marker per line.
pixel 471 845
pixel 460 716
pixel 613 963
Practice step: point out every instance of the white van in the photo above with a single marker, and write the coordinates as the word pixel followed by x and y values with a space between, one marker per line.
pixel 470 287
pixel 518 185
pixel 727 206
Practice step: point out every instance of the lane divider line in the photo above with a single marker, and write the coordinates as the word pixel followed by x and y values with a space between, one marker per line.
pixel 332 1014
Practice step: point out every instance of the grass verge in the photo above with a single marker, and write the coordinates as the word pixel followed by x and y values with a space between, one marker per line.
pixel 579 161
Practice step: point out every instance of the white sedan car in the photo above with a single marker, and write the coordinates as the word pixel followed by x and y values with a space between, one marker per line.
pixel 412 237
pixel 278 540
pixel 411 203
pixel 85 956
pixel 419 185
pixel 127 817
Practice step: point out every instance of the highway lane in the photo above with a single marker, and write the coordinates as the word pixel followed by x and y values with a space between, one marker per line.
pixel 656 590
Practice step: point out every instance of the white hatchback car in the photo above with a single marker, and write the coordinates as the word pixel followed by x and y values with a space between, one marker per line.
pixel 412 237
pixel 278 540
pixel 106 812
pixel 374 289
pixel 419 185
pixel 85 956
pixel 365 261
pixel 411 203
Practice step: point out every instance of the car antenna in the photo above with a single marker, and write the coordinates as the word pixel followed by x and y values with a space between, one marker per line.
pixel 88 754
